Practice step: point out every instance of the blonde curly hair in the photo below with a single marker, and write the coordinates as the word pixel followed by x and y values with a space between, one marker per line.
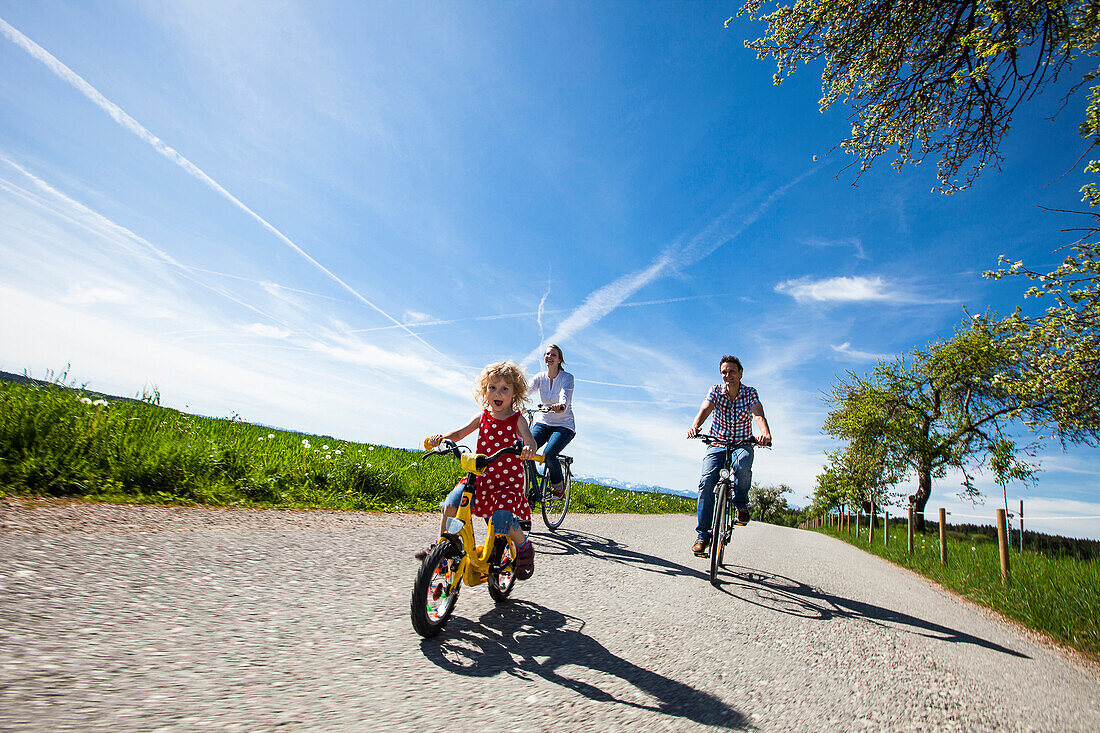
pixel 510 373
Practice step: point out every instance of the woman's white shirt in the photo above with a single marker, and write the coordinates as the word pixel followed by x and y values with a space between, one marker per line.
pixel 556 391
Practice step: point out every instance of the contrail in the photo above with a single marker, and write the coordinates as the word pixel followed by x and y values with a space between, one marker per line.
pixel 129 123
pixel 537 314
pixel 674 258
pixel 161 256
pixel 542 305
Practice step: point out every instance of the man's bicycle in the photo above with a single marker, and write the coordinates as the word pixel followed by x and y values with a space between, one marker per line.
pixel 457 558
pixel 723 521
pixel 555 504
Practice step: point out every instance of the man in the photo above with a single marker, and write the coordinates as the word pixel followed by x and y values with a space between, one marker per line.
pixel 734 405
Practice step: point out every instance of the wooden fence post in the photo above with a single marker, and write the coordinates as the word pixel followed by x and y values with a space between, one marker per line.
pixel 871 525
pixel 910 530
pixel 943 536
pixel 1002 540
pixel 885 530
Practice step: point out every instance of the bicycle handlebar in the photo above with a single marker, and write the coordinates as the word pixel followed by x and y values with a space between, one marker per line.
pixel 475 463
pixel 727 443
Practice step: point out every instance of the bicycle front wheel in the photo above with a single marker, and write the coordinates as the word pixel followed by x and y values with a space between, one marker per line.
pixel 555 505
pixel 502 579
pixel 717 531
pixel 435 591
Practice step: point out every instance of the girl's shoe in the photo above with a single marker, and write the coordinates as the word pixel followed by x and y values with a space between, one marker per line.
pixel 525 561
pixel 423 552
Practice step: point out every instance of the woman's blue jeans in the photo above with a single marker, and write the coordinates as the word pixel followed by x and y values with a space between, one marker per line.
pixel 555 439
pixel 740 472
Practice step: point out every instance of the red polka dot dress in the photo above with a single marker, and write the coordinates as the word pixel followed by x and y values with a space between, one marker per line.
pixel 501 486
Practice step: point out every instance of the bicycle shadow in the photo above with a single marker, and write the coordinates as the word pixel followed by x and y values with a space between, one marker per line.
pixel 527 640
pixel 795 598
pixel 568 542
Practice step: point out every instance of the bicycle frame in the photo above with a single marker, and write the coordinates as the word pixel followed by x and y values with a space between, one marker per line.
pixel 474 565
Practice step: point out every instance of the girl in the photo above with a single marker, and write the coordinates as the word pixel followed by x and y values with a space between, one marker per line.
pixel 500 390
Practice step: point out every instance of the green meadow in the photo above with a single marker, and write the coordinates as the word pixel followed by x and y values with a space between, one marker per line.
pixel 1050 592
pixel 60 441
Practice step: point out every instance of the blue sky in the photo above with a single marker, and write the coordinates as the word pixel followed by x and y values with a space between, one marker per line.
pixel 329 216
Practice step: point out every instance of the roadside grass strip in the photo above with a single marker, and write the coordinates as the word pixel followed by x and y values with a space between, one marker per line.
pixel 1055 594
pixel 62 441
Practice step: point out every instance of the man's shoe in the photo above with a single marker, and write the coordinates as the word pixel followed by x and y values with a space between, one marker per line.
pixel 743 516
pixel 525 561
pixel 700 548
pixel 423 552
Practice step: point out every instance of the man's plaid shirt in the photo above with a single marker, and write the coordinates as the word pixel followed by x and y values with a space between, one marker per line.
pixel 732 418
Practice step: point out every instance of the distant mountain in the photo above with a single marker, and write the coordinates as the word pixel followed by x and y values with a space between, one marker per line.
pixel 617 484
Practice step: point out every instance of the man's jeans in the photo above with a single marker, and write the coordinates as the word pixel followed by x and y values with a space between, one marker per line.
pixel 741 473
pixel 555 438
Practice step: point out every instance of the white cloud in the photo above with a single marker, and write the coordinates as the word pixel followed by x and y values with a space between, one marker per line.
pixel 845 349
pixel 839 289
pixel 415 317
pixel 266 331
pixel 82 295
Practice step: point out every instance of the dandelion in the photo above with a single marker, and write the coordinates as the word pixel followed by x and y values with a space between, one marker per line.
pixel 261 438
pixel 305 443
pixel 337 452
pixel 99 403
pixel 370 447
pixel 85 400
pixel 324 447
pixel 271 436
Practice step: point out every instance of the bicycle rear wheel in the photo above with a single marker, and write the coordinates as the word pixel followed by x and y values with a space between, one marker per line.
pixel 435 591
pixel 556 506
pixel 717 532
pixel 503 580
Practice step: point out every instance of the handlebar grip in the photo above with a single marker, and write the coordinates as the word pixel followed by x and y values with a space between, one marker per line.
pixel 469 462
pixel 427 443
pixel 538 458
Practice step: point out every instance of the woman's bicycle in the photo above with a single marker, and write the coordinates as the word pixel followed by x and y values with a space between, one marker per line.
pixel 457 558
pixel 723 521
pixel 555 504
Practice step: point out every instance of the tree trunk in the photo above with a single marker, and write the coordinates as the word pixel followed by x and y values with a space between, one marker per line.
pixel 924 491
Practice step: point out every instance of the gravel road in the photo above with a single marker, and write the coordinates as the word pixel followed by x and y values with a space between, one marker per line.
pixel 150 618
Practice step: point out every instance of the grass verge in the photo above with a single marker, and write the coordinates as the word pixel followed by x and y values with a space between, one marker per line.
pixel 66 442
pixel 1057 595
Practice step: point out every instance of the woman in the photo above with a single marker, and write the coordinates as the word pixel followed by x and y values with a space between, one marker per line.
pixel 556 428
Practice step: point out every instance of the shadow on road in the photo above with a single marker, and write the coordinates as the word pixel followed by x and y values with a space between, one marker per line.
pixel 571 542
pixel 527 640
pixel 796 598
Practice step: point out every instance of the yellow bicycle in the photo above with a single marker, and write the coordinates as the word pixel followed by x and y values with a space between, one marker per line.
pixel 457 558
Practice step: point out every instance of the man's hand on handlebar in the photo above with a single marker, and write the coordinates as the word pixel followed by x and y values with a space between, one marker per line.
pixel 765 440
pixel 693 431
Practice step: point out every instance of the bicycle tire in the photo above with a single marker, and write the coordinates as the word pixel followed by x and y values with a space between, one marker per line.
pixel 501 582
pixel 717 544
pixel 435 592
pixel 555 508
pixel 727 529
